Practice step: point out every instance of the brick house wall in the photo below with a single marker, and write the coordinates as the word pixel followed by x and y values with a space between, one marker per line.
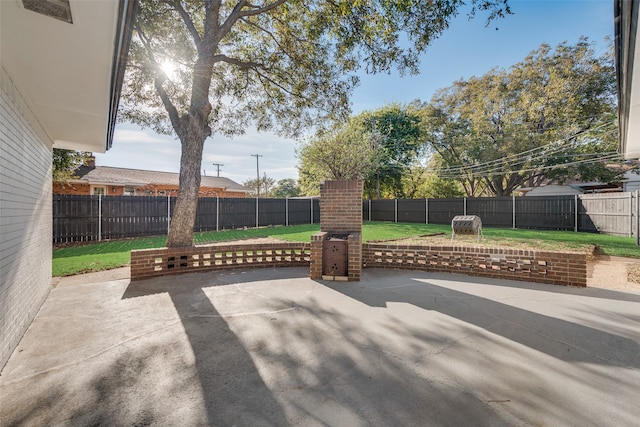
pixel 147 190
pixel 71 188
pixel 25 216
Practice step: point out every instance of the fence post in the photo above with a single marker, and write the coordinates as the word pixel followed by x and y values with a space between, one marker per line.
pixel 168 213
pixel 257 212
pixel 513 210
pixel 99 217
pixel 637 217
pixel 464 210
pixel 286 211
pixel 575 220
pixel 218 213
pixel 630 214
pixel 426 210
pixel 395 213
pixel 369 210
pixel 311 209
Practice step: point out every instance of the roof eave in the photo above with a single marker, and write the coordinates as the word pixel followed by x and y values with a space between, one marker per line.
pixel 124 30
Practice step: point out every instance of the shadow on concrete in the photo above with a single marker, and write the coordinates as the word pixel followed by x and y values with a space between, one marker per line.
pixel 591 292
pixel 398 348
pixel 553 336
pixel 232 389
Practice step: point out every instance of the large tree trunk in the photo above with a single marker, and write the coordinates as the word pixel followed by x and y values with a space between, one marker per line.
pixel 184 215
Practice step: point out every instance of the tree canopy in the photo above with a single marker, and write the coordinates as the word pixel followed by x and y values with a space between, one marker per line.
pixel 376 146
pixel 65 163
pixel 197 68
pixel 510 128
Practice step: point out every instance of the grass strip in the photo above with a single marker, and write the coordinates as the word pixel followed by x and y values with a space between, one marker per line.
pixel 111 254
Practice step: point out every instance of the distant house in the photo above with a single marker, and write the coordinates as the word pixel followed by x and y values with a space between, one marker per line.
pixel 571 189
pixel 109 181
pixel 553 190
pixel 631 181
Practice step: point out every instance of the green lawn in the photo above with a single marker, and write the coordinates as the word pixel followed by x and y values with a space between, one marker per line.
pixel 112 254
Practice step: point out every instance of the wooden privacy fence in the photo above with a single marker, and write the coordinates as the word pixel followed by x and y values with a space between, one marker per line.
pixel 89 218
pixel 93 218
pixel 610 213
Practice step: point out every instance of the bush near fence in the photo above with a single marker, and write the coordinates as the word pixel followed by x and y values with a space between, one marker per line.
pixel 93 218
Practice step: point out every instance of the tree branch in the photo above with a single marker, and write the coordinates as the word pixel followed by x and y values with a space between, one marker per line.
pixel 187 20
pixel 168 105
pixel 237 62
pixel 157 83
pixel 257 10
pixel 233 17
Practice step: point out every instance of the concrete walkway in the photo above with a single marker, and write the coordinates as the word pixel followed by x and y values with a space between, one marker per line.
pixel 272 347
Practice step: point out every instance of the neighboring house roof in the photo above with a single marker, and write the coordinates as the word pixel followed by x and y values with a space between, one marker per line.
pixel 553 190
pixel 67 58
pixel 628 75
pixel 107 175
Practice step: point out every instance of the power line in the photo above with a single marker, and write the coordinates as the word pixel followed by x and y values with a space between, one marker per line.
pixel 553 147
pixel 541 168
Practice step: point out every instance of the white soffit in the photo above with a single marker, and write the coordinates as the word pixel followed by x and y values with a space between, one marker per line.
pixel 633 125
pixel 63 69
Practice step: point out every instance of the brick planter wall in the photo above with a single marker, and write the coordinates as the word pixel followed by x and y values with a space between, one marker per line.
pixel 148 263
pixel 558 268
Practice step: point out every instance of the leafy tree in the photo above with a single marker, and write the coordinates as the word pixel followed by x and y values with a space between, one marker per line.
pixel 65 163
pixel 347 151
pixel 423 182
pixel 377 146
pixel 285 188
pixel 398 142
pixel 202 67
pixel 516 127
pixel 263 186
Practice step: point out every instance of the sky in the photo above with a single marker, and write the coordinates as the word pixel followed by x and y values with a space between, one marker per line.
pixel 467 48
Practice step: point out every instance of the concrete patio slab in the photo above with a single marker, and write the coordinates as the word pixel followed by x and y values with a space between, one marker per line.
pixel 272 347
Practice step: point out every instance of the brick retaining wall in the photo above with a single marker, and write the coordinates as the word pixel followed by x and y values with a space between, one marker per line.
pixel 148 263
pixel 557 268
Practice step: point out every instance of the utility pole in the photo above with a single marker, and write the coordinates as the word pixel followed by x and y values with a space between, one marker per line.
pixel 257 156
pixel 217 165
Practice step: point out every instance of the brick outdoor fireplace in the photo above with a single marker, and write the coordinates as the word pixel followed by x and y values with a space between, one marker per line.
pixel 336 251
